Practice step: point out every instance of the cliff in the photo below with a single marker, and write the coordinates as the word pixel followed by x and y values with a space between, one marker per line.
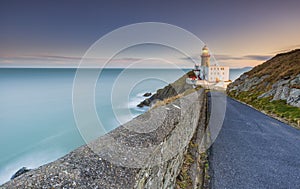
pixel 273 86
pixel 173 89
pixel 147 152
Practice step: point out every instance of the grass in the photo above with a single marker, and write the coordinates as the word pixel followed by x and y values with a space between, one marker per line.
pixel 171 99
pixel 166 101
pixel 204 159
pixel 285 65
pixel 279 108
pixel 282 66
pixel 185 180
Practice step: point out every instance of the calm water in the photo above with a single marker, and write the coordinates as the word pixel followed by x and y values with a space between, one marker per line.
pixel 36 116
pixel 236 73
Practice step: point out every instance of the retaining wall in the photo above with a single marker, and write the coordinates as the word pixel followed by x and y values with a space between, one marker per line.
pixel 146 152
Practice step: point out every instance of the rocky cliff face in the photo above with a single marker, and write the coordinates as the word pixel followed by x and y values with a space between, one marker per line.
pixel 173 89
pixel 276 79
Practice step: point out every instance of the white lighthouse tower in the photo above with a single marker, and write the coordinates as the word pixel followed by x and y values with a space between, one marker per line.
pixel 205 57
pixel 205 62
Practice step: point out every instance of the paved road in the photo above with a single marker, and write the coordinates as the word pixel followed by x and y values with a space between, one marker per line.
pixel 254 151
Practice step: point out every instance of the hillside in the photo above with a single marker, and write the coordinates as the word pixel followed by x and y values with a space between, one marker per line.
pixel 273 87
pixel 177 87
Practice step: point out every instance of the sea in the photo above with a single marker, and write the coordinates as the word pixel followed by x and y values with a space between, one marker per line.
pixel 37 123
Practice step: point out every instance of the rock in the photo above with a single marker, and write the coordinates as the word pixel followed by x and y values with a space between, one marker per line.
pixel 296 80
pixel 276 79
pixel 173 89
pixel 245 83
pixel 282 93
pixel 146 102
pixel 267 94
pixel 20 172
pixel 234 88
pixel 280 83
pixel 147 94
pixel 294 97
pixel 244 76
pixel 280 90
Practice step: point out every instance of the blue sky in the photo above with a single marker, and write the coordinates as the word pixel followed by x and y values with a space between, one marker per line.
pixel 56 33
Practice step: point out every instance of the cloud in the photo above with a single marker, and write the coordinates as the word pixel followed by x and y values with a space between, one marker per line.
pixel 73 61
pixel 226 57
pixel 56 57
pixel 45 60
pixel 257 57
pixel 246 57
pixel 190 59
pixel 76 58
pixel 65 58
pixel 233 61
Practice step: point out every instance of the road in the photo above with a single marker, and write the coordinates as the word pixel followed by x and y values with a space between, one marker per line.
pixel 253 150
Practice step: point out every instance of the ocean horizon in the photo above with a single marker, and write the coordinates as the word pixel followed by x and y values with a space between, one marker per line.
pixel 36 112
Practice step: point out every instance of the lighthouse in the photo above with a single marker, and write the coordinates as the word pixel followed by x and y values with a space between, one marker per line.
pixel 209 74
pixel 205 62
pixel 205 57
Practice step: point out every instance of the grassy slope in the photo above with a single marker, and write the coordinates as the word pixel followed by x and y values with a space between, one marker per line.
pixel 278 108
pixel 282 66
pixel 285 65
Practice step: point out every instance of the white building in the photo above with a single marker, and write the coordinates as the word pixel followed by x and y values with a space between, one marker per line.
pixel 212 73
pixel 209 74
pixel 216 73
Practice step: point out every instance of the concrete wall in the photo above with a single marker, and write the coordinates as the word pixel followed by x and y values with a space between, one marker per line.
pixel 146 152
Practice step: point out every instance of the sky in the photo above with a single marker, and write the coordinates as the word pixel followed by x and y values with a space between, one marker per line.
pixel 57 33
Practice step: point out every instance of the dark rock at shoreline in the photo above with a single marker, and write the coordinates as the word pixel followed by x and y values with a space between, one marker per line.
pixel 147 94
pixel 20 172
pixel 146 102
pixel 173 89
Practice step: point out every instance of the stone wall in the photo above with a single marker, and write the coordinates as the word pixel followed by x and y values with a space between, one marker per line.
pixel 146 152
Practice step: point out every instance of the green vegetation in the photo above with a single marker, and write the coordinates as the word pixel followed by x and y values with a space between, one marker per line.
pixel 204 159
pixel 279 108
pixel 184 180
